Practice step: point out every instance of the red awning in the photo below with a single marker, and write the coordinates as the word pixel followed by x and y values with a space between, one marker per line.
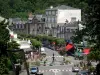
pixel 69 46
pixel 86 51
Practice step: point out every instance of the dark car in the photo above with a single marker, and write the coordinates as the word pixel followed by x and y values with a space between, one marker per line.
pixel 83 72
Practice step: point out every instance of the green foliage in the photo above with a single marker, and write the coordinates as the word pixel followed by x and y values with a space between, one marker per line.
pixel 9 64
pixel 67 61
pixel 93 27
pixel 59 41
pixel 91 69
pixel 3 65
pixel 94 55
pixel 13 45
pixel 23 15
pixel 36 63
pixel 35 43
pixel 25 36
pixel 39 37
pixel 4 38
pixel 20 8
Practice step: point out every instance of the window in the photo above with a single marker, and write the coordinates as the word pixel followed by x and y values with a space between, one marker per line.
pixel 73 19
pixel 48 19
pixel 22 26
pixel 19 26
pixel 72 30
pixel 49 12
pixel 53 12
pixel 55 19
pixel 52 19
pixel 16 26
pixel 68 30
pixel 46 12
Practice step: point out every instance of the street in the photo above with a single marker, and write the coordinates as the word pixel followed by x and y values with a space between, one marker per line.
pixel 56 68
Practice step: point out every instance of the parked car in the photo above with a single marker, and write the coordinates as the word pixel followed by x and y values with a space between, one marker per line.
pixel 34 70
pixel 43 50
pixel 83 72
pixel 75 69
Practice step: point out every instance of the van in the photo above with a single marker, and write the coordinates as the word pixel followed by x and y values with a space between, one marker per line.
pixel 43 50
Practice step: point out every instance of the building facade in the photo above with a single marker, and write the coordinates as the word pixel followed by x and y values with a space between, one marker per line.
pixel 67 30
pixel 33 25
pixel 60 14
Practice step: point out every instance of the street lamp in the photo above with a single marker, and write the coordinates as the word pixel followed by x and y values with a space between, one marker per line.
pixel 65 31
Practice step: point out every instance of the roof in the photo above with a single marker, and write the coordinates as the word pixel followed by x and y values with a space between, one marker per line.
pixel 61 7
pixel 71 24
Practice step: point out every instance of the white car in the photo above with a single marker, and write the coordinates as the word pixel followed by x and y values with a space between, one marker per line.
pixel 34 70
pixel 43 50
pixel 75 69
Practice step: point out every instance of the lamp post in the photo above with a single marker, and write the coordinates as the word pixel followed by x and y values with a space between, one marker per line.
pixel 58 31
pixel 65 31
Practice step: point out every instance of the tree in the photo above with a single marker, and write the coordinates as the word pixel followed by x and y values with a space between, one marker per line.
pixel 93 25
pixel 59 41
pixel 4 38
pixel 35 43
pixel 13 45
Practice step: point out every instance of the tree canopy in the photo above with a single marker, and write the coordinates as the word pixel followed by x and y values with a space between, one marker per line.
pixel 20 8
pixel 4 38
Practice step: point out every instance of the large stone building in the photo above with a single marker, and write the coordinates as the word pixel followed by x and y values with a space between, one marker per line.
pixel 67 30
pixel 34 25
pixel 60 14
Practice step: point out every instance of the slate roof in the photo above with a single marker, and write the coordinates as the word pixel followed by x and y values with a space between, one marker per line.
pixel 71 24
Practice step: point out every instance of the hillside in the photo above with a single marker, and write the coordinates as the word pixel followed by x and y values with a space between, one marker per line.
pixel 21 8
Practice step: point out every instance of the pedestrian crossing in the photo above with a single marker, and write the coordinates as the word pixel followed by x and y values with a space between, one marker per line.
pixel 52 56
pixel 56 70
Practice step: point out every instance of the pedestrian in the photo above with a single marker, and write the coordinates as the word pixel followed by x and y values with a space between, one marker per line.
pixel 53 54
pixel 53 58
pixel 44 63
pixel 89 63
pixel 98 68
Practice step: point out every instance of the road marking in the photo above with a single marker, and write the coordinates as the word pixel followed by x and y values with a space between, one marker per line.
pixel 54 56
pixel 62 70
pixel 55 70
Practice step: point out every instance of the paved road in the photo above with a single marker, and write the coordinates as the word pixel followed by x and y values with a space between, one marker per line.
pixel 56 68
pixel 59 70
pixel 58 57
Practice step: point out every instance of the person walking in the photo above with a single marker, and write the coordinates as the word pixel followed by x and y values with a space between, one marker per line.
pixel 53 58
